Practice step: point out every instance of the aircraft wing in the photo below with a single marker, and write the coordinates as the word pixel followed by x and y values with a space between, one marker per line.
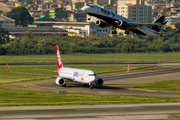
pixel 111 74
pixel 31 73
pixel 45 70
pixel 133 24
pixel 115 73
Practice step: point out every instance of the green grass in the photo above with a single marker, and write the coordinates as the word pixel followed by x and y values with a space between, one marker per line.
pixel 7 77
pixel 11 97
pixel 165 85
pixel 76 58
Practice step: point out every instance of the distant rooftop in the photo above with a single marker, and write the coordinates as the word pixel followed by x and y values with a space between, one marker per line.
pixel 4 18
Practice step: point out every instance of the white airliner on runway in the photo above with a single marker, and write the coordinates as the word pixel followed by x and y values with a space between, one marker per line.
pixel 87 77
pixel 108 18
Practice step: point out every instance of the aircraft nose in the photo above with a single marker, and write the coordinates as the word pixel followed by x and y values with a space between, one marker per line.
pixel 85 8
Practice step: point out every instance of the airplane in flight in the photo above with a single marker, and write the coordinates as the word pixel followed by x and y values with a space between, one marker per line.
pixel 108 18
pixel 87 77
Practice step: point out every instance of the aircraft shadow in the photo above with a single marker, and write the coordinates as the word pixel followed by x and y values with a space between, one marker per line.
pixel 105 87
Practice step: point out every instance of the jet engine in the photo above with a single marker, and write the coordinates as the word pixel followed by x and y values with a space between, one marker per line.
pixel 60 81
pixel 121 23
pixel 99 81
pixel 101 23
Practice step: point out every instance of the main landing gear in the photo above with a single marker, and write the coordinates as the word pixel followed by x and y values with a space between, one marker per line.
pixel 113 32
pixel 126 32
pixel 88 85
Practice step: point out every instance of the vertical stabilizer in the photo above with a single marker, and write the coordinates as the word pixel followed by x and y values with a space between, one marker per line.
pixel 59 61
pixel 158 27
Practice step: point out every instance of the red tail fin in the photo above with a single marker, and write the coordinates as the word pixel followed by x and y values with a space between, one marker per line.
pixel 59 62
pixel 127 68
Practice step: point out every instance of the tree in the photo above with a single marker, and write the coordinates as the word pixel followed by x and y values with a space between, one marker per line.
pixel 21 16
pixel 4 35
pixel 4 38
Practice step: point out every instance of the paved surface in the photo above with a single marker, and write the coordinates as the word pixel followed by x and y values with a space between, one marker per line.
pixel 154 111
pixel 118 85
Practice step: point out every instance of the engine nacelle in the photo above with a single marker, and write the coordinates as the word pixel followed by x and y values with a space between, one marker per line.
pixel 122 24
pixel 99 81
pixel 101 23
pixel 60 81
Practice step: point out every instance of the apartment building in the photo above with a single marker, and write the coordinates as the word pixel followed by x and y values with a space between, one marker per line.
pixel 140 12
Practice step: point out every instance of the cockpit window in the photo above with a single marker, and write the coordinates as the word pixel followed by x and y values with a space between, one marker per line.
pixel 92 74
pixel 90 6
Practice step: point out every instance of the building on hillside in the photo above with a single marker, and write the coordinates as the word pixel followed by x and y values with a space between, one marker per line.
pixel 111 7
pixel 6 7
pixel 80 16
pixel 36 14
pixel 7 22
pixel 94 29
pixel 140 12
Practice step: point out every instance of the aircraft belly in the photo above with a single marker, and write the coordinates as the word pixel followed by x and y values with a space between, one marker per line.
pixel 136 31
pixel 105 18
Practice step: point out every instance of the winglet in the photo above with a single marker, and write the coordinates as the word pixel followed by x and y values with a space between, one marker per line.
pixel 59 61
pixel 8 67
pixel 128 68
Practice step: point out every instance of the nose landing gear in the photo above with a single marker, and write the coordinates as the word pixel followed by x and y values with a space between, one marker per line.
pixel 90 86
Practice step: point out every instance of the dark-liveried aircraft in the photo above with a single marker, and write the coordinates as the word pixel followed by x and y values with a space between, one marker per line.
pixel 108 18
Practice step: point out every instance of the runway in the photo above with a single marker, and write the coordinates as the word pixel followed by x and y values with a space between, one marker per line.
pixel 151 111
pixel 118 84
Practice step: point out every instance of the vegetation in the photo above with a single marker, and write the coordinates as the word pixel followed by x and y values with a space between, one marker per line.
pixel 11 97
pixel 7 77
pixel 90 58
pixel 21 16
pixel 32 45
pixel 165 85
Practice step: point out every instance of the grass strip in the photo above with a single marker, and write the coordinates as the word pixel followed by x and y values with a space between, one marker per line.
pixel 165 85
pixel 79 58
pixel 7 77
pixel 11 97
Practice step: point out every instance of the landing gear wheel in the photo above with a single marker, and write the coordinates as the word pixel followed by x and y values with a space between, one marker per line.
pixel 127 32
pixel 114 32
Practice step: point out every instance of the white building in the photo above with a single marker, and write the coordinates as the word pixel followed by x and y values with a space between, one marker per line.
pixel 94 29
pixel 6 22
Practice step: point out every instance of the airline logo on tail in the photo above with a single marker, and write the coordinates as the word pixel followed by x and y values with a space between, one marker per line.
pixel 59 62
